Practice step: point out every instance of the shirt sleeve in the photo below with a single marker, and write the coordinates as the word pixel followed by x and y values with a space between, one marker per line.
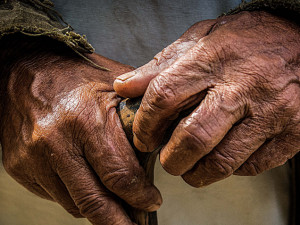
pixel 38 18
pixel 289 9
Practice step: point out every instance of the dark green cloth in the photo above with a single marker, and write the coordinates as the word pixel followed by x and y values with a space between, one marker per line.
pixel 286 8
pixel 37 18
pixel 291 5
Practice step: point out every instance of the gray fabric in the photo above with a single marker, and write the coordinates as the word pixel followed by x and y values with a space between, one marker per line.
pixel 133 31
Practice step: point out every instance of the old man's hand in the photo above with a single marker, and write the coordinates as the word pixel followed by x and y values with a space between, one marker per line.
pixel 60 134
pixel 243 74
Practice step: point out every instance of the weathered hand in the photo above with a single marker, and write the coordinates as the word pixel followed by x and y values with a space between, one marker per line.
pixel 61 136
pixel 243 72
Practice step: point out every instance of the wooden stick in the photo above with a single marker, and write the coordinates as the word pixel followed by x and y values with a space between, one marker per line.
pixel 126 111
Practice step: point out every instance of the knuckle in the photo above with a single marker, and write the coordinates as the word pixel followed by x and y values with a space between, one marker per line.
pixel 164 58
pixel 120 179
pixel 231 101
pixel 74 212
pixel 221 168
pixel 196 135
pixel 92 205
pixel 9 167
pixel 71 118
pixel 192 181
pixel 67 164
pixel 221 163
pixel 250 169
pixel 100 209
pixel 78 105
pixel 13 164
pixel 162 95
pixel 169 167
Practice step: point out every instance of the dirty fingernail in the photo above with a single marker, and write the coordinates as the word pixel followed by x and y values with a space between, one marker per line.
pixel 126 76
pixel 140 145
pixel 153 208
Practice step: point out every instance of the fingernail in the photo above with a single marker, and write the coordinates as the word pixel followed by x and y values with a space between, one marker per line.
pixel 153 208
pixel 140 145
pixel 126 76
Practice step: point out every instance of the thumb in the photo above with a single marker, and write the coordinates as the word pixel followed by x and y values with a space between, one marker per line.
pixel 135 83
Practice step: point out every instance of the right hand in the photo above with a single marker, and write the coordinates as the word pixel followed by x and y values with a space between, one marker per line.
pixel 241 73
pixel 61 137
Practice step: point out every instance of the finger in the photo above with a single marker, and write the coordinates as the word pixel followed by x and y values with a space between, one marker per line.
pixel 202 130
pixel 93 200
pixel 37 190
pixel 113 159
pixel 272 154
pixel 26 179
pixel 241 141
pixel 134 84
pixel 59 193
pixel 172 91
pixel 285 144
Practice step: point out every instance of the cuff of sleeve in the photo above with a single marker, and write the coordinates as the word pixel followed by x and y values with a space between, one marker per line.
pixel 38 18
pixel 289 9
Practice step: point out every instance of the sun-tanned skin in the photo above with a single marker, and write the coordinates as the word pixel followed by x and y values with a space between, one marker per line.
pixel 61 137
pixel 243 73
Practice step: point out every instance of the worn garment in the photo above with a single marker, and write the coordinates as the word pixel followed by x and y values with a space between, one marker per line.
pixel 132 32
pixel 38 18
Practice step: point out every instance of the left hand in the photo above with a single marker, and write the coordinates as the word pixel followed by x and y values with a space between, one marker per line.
pixel 61 136
pixel 243 73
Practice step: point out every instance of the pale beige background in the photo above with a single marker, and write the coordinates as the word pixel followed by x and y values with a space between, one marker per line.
pixel 260 200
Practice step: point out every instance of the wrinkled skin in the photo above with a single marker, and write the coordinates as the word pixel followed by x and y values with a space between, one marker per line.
pixel 243 74
pixel 61 136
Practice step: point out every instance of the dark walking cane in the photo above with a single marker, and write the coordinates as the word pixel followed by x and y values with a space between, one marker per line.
pixel 126 110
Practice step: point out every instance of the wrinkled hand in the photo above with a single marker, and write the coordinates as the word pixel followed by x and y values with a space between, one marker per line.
pixel 62 139
pixel 243 73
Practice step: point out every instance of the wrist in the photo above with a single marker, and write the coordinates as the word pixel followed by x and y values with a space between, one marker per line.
pixel 27 52
pixel 282 8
